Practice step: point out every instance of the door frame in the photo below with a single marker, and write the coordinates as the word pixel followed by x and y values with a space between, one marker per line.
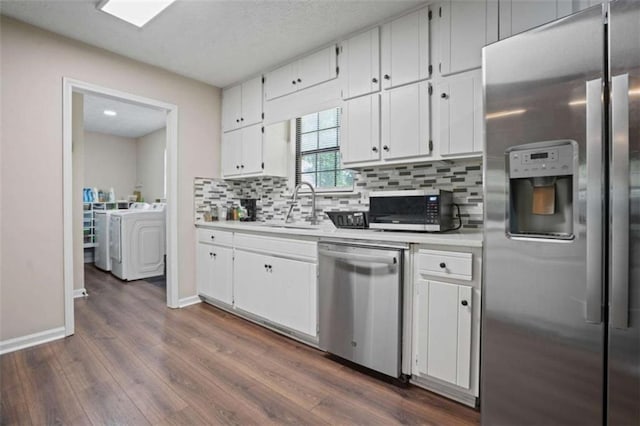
pixel 69 86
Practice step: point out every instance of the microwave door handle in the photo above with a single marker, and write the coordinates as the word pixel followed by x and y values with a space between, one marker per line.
pixel 619 249
pixel 593 306
pixel 387 260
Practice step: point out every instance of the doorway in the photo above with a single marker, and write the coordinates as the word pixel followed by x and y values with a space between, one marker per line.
pixel 77 90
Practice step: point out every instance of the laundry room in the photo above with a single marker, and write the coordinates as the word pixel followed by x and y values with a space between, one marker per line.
pixel 119 169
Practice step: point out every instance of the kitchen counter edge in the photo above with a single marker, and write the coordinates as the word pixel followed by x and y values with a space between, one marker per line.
pixel 462 239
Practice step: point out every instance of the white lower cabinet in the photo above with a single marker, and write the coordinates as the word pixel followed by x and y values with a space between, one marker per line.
pixel 214 268
pixel 443 339
pixel 240 270
pixel 446 321
pixel 253 287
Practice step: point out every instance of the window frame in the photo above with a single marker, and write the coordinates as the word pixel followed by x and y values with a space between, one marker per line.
pixel 297 153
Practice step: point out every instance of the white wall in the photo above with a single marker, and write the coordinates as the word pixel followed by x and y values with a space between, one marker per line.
pixel 150 164
pixel 110 162
pixel 33 65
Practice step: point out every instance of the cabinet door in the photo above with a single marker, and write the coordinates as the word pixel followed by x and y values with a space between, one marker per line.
pixel 361 55
pixel 231 108
pixel 252 283
pixel 462 33
pixel 521 15
pixel 295 291
pixel 251 102
pixel 231 153
pixel 317 68
pixel 361 129
pixel 281 81
pixel 458 114
pixel 203 269
pixel 405 122
pixel 405 49
pixel 251 149
pixel 443 331
pixel 214 272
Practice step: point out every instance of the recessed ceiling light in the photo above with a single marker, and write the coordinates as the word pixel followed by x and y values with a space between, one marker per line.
pixel 110 113
pixel 136 12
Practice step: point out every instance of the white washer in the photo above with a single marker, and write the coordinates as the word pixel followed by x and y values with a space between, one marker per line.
pixel 101 219
pixel 137 243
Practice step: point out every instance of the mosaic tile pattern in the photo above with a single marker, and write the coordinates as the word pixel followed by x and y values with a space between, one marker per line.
pixel 463 177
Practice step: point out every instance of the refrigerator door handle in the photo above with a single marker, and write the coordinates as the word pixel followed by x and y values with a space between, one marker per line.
pixel 619 249
pixel 593 308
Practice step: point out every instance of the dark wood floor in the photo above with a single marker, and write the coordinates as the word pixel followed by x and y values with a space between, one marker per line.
pixel 134 361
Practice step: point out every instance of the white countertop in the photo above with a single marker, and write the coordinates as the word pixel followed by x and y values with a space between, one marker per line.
pixel 453 238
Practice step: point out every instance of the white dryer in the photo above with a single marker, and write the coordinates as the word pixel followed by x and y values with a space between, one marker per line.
pixel 102 257
pixel 137 243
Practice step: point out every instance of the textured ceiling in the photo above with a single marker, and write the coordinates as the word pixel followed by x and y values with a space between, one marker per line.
pixel 219 42
pixel 132 121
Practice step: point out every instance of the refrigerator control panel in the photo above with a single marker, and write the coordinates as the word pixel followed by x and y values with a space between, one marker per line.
pixel 550 160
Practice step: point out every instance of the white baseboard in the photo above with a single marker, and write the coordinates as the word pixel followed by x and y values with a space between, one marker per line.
pixel 188 301
pixel 29 340
pixel 79 292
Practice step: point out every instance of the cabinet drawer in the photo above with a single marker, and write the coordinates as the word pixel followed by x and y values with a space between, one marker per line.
pixel 215 237
pixel 445 264
pixel 297 249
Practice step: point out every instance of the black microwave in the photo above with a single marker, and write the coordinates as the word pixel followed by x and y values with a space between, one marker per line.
pixel 429 210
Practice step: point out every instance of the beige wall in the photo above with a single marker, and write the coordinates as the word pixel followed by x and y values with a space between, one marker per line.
pixel 150 164
pixel 32 66
pixel 110 162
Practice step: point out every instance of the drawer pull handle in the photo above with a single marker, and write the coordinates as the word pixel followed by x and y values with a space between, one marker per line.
pixel 464 303
pixel 443 265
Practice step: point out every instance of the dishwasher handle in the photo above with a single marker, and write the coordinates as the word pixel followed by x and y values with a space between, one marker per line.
pixel 387 260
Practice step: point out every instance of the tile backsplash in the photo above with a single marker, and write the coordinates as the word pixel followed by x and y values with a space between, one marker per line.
pixel 463 177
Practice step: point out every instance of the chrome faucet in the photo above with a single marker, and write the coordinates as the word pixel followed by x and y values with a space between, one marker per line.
pixel 294 198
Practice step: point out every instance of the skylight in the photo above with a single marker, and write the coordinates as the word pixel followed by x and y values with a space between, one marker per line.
pixel 136 12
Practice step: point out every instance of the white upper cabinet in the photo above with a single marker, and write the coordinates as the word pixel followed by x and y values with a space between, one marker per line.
pixel 464 27
pixel 517 16
pixel 251 102
pixel 458 114
pixel 306 72
pixel 405 122
pixel 255 151
pixel 242 151
pixel 360 139
pixel 242 105
pixel 361 59
pixel 281 81
pixel 405 49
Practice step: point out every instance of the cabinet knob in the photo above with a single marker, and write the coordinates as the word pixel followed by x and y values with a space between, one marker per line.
pixel 444 96
pixel 386 148
pixel 443 265
pixel 374 149
pixel 464 303
pixel 237 120
pixel 238 167
pixel 241 119
pixel 213 237
pixel 299 81
pixel 387 77
pixel 374 80
pixel 293 82
pixel 242 166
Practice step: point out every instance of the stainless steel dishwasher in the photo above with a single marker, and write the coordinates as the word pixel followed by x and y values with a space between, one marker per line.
pixel 360 299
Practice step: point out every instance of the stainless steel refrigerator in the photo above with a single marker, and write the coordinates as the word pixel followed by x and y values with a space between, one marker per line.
pixel 561 303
